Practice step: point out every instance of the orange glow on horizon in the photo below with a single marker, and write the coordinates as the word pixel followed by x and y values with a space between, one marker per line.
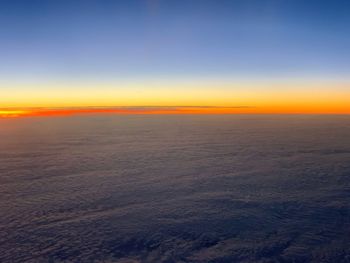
pixel 47 112
pixel 13 113
pixel 175 97
pixel 42 112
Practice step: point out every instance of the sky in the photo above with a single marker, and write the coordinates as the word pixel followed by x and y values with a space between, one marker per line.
pixel 273 56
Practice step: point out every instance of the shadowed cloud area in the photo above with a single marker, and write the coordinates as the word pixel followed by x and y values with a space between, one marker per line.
pixel 167 188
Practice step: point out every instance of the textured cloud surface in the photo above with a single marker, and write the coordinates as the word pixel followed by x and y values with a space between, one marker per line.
pixel 175 189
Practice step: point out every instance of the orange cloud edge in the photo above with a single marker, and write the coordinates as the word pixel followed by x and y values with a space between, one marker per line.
pixel 37 112
pixel 52 112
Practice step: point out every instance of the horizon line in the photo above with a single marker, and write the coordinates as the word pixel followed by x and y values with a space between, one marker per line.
pixel 12 112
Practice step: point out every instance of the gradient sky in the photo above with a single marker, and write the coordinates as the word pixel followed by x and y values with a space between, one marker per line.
pixel 274 55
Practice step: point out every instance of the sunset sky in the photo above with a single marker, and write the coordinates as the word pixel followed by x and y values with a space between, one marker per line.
pixel 163 56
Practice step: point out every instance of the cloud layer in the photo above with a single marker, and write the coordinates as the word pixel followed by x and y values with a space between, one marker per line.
pixel 223 188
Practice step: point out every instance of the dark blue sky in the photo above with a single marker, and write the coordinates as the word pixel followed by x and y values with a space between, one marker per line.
pixel 115 39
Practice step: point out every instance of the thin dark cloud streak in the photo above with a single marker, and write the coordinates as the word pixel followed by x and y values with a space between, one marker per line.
pixel 64 111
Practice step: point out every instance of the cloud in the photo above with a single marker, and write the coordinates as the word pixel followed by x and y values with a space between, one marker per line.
pixel 30 112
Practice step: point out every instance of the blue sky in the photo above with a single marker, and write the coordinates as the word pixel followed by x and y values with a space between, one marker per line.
pixel 174 39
